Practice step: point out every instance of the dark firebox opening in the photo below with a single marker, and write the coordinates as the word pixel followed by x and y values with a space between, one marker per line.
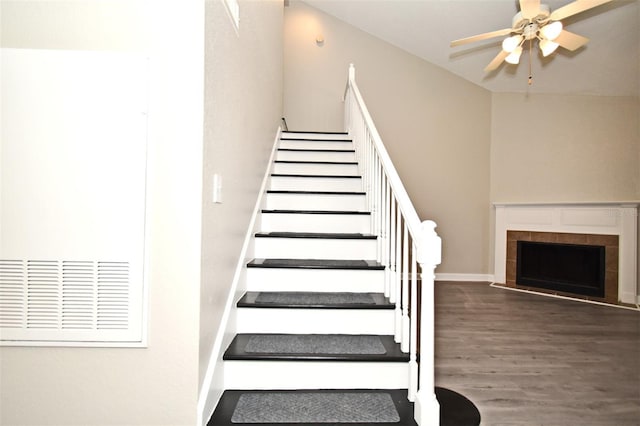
pixel 570 268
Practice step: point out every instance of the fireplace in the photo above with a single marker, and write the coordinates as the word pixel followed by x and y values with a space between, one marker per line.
pixel 575 265
pixel 587 229
pixel 570 268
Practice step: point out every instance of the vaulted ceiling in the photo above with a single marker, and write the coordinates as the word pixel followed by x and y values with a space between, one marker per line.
pixel 608 65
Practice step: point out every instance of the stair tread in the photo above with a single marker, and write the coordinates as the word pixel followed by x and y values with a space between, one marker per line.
pixel 284 211
pixel 319 235
pixel 301 175
pixel 316 140
pixel 315 132
pixel 315 150
pixel 292 191
pixel 229 401
pixel 314 300
pixel 351 163
pixel 316 264
pixel 324 347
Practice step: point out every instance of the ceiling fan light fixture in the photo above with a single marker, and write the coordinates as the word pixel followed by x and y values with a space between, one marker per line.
pixel 551 31
pixel 514 57
pixel 548 47
pixel 511 43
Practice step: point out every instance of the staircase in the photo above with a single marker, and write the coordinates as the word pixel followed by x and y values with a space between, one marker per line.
pixel 315 318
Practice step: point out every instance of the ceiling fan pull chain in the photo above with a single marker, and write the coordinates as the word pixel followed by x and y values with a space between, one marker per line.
pixel 530 73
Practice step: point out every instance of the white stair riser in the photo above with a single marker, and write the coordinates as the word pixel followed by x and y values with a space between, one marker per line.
pixel 330 202
pixel 310 135
pixel 301 222
pixel 312 169
pixel 322 280
pixel 315 375
pixel 315 321
pixel 306 144
pixel 314 248
pixel 315 156
pixel 335 202
pixel 293 183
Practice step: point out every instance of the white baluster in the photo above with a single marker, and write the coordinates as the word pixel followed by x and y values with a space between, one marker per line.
pixel 390 285
pixel 398 277
pixel 427 408
pixel 404 343
pixel 413 350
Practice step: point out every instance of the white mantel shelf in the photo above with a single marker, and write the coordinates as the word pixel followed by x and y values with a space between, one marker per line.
pixel 607 218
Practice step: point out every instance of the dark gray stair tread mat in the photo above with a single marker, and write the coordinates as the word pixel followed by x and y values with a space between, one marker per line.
pixel 312 407
pixel 314 347
pixel 314 300
pixel 229 402
pixel 318 235
pixel 316 264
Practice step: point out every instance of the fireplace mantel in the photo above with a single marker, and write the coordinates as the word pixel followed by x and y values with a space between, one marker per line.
pixel 607 218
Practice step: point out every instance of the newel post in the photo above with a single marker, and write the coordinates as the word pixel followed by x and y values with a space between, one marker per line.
pixel 427 408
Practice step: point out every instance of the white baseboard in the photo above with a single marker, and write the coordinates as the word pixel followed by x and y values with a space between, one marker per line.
pixel 209 393
pixel 465 277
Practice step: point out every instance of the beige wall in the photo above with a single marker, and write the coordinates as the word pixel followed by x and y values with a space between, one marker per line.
pixel 436 126
pixel 564 148
pixel 548 148
pixel 243 107
pixel 157 385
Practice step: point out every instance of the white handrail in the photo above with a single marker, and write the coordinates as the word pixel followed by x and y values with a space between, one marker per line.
pixel 395 222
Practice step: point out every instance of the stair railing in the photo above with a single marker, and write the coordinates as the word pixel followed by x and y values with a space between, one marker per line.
pixel 404 244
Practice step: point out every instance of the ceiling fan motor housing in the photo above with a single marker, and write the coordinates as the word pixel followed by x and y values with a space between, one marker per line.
pixel 529 27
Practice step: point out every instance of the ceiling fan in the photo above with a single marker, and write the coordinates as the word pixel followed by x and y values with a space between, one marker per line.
pixel 535 21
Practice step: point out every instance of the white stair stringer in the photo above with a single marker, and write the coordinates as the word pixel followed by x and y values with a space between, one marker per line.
pixel 315 248
pixel 316 280
pixel 316 375
pixel 315 321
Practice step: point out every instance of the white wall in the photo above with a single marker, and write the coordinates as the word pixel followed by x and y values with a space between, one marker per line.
pixel 436 125
pixel 156 385
pixel 243 107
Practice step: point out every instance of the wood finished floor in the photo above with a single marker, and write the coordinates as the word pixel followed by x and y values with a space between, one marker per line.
pixel 525 359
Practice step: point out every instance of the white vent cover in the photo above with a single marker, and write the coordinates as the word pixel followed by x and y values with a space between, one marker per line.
pixel 72 198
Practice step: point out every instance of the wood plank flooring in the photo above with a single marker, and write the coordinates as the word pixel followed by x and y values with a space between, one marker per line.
pixel 526 359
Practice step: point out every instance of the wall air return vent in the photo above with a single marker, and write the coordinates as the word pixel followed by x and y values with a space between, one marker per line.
pixel 73 198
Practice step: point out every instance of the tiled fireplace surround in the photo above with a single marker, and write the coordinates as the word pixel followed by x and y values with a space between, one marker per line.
pixel 613 225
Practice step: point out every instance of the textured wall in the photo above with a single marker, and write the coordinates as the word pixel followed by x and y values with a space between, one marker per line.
pixel 436 126
pixel 156 385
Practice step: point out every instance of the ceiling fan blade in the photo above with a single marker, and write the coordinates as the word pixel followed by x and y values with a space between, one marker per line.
pixel 574 8
pixel 495 63
pixel 571 41
pixel 479 37
pixel 529 8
